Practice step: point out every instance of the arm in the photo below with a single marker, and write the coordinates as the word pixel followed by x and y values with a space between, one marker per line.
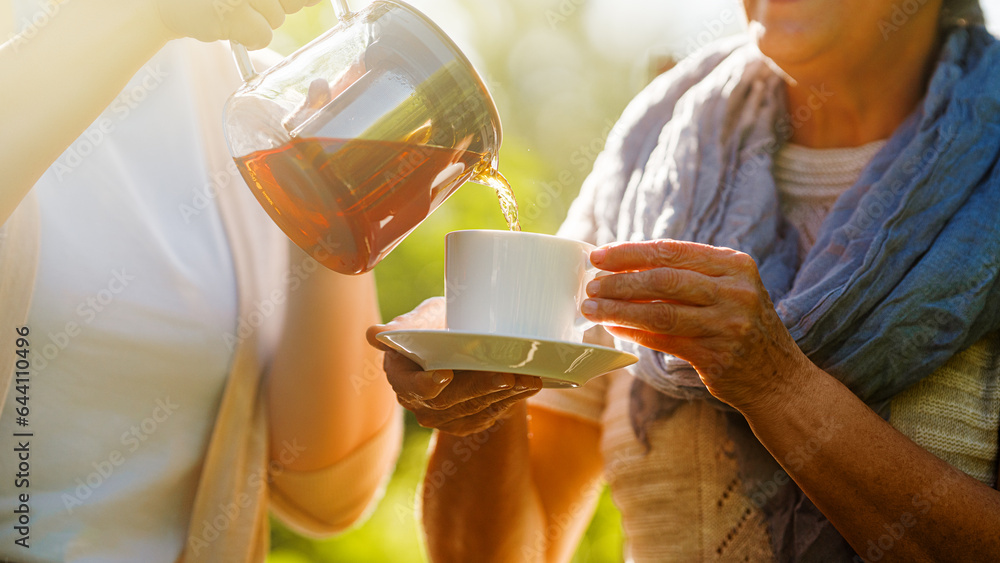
pixel 870 480
pixel 525 494
pixel 62 80
pixel 334 427
pixel 708 306
pixel 503 483
pixel 60 77
pixel 325 388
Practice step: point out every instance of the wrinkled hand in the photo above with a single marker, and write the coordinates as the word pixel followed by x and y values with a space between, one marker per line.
pixel 247 21
pixel 703 304
pixel 459 403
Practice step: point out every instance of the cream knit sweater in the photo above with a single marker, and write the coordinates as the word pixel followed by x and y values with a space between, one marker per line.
pixel 684 501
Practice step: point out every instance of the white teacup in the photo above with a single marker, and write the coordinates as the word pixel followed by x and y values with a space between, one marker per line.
pixel 517 284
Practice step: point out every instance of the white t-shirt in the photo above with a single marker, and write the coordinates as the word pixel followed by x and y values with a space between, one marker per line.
pixel 134 293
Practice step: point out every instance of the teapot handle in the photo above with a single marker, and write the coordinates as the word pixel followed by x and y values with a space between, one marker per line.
pixel 245 65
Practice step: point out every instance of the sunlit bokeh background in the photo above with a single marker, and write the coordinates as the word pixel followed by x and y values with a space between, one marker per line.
pixel 560 71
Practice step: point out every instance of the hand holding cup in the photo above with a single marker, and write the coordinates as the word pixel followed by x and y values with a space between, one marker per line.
pixel 704 304
pixel 459 403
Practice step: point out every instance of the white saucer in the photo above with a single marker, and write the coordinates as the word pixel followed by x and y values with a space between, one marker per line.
pixel 559 364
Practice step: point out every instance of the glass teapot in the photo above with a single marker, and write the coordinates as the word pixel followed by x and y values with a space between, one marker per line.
pixel 350 142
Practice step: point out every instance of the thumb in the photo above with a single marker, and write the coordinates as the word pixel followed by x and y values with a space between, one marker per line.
pixel 429 315
pixel 372 332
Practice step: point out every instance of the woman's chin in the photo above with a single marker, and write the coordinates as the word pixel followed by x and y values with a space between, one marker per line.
pixel 784 47
pixel 793 31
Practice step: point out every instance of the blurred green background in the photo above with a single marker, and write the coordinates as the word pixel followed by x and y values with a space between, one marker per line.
pixel 560 71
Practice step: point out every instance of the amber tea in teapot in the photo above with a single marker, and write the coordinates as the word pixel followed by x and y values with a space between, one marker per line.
pixel 362 195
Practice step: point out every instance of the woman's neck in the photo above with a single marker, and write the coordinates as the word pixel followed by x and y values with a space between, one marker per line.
pixel 850 106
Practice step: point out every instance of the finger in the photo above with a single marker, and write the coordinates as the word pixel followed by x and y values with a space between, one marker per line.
pixel 670 284
pixel 484 420
pixel 318 94
pixel 661 318
pixel 249 28
pixel 271 10
pixel 372 332
pixel 481 389
pixel 292 6
pixel 409 381
pixel 710 363
pixel 428 315
pixel 347 78
pixel 683 348
pixel 484 405
pixel 470 385
pixel 645 255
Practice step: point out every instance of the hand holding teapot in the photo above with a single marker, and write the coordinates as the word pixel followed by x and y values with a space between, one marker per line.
pixel 247 21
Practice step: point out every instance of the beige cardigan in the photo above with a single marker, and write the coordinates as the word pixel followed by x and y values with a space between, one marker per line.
pixel 238 485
